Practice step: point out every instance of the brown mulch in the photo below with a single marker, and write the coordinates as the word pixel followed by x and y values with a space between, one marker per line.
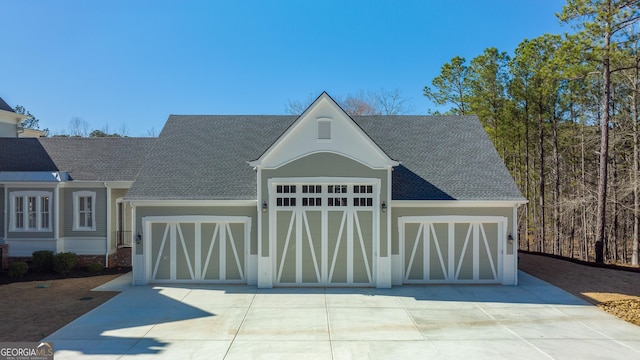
pixel 32 310
pixel 614 290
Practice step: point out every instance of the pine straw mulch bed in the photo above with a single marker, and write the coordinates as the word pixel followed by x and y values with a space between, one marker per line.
pixel 36 305
pixel 614 289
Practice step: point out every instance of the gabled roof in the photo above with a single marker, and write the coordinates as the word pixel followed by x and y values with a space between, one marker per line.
pixel 344 137
pixel 4 106
pixel 205 158
pixel 442 158
pixel 88 159
pixel 24 155
pixel 98 159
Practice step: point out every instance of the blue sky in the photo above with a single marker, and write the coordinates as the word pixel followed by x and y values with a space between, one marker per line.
pixel 136 62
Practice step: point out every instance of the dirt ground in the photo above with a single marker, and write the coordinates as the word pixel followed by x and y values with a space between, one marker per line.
pixel 30 311
pixel 615 291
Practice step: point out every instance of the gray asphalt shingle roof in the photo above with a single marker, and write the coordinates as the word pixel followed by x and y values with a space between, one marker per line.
pixel 25 154
pixel 98 159
pixel 4 106
pixel 205 157
pixel 91 159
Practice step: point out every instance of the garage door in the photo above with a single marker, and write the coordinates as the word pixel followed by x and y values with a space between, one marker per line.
pixel 324 234
pixel 452 249
pixel 197 248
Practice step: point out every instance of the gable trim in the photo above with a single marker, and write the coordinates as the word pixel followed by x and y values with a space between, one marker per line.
pixel 388 161
pixel 326 152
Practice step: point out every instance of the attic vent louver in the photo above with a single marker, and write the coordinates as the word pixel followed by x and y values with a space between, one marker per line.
pixel 324 129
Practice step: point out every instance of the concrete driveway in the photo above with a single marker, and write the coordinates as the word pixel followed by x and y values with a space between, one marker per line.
pixel 532 321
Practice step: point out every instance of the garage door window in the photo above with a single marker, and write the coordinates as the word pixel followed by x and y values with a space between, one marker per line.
pixel 334 195
pixel 284 198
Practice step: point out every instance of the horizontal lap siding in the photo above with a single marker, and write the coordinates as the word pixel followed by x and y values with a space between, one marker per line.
pixel 30 234
pixel 8 130
pixel 100 215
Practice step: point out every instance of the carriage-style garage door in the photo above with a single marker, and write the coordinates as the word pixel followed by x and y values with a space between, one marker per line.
pixel 197 248
pixel 452 249
pixel 324 233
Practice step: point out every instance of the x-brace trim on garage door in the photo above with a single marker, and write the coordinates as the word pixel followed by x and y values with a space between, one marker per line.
pixel 452 249
pixel 197 249
pixel 324 231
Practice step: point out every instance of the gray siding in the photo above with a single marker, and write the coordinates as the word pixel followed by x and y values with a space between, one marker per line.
pixel 250 211
pixel 31 234
pixel 325 165
pixel 439 211
pixel 100 215
pixel 8 130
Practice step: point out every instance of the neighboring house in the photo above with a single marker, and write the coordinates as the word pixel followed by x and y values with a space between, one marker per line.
pixel 324 199
pixel 320 199
pixel 11 123
pixel 65 195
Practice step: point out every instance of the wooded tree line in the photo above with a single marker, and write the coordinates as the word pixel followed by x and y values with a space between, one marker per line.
pixel 562 111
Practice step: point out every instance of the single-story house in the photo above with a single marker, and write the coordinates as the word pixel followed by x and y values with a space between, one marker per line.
pixel 320 199
pixel 66 195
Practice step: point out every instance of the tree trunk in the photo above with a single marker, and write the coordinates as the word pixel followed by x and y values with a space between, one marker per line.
pixel 601 216
pixel 636 202
pixel 526 164
pixel 584 249
pixel 556 187
pixel 541 183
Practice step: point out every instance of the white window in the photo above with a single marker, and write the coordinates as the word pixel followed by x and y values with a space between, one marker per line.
pixel 30 211
pixel 84 211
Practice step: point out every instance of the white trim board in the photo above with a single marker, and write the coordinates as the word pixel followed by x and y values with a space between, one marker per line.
pixel 186 203
pixel 455 203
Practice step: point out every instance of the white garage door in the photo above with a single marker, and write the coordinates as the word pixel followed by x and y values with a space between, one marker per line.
pixel 452 249
pixel 197 248
pixel 324 233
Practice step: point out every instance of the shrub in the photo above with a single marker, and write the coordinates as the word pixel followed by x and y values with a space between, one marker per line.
pixel 95 267
pixel 18 269
pixel 42 261
pixel 64 262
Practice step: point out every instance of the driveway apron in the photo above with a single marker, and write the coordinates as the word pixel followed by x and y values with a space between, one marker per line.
pixel 534 320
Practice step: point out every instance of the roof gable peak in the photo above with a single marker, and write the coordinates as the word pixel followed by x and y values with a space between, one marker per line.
pixel 324 127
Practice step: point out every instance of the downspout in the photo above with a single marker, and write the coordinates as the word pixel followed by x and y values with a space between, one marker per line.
pixel 108 244
pixel 134 246
pixel 259 226
pixel 6 213
pixel 56 214
pixel 514 232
